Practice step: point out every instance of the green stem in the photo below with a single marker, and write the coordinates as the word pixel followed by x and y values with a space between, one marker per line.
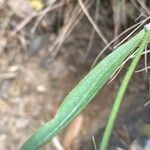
pixel 121 92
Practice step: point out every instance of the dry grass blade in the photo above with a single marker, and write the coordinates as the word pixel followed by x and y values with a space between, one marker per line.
pixel 115 74
pixel 119 17
pixel 144 69
pixel 94 143
pixel 71 136
pixel 39 14
pixel 57 144
pixel 144 6
pixel 23 23
pixel 93 31
pixel 139 24
pixel 68 28
pixel 131 33
pixel 147 103
pixel 93 22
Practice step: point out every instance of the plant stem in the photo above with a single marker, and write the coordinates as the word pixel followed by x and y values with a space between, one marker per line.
pixel 121 92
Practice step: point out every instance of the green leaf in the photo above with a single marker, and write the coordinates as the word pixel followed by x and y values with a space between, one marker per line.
pixel 83 93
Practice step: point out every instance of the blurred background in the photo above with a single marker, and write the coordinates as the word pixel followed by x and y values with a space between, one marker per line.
pixel 46 47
